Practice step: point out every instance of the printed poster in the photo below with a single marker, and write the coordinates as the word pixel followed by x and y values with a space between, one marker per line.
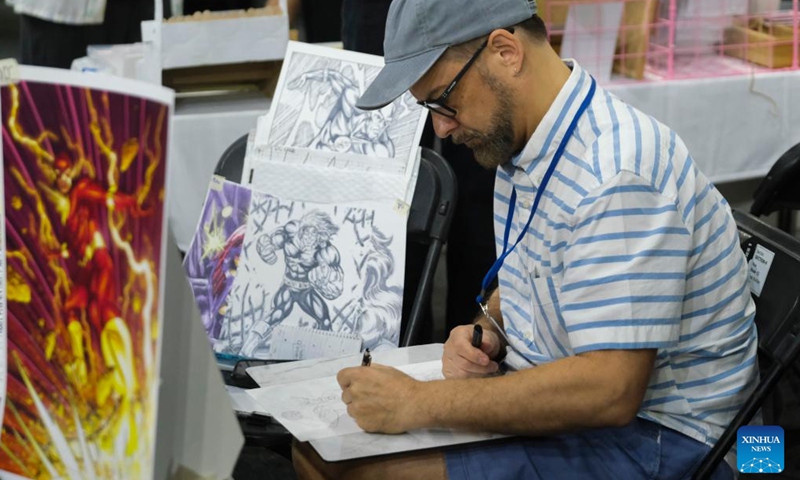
pixel 84 174
pixel 213 257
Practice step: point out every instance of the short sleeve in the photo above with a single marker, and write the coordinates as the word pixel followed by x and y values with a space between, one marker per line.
pixel 625 268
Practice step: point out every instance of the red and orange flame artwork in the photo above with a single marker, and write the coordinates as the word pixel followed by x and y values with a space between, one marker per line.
pixel 84 196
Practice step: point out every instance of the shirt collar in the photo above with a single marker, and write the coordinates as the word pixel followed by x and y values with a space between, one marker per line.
pixel 551 130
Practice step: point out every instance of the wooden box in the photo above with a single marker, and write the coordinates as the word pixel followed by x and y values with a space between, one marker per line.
pixel 761 41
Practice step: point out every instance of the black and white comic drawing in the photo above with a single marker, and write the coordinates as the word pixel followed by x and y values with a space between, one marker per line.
pixel 315 106
pixel 317 268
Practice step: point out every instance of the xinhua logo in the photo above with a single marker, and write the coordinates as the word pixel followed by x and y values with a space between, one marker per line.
pixel 760 449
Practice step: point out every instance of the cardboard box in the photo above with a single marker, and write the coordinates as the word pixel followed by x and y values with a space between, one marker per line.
pixel 219 39
pixel 760 41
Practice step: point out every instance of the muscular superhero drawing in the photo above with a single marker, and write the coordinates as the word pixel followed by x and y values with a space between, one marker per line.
pixel 313 274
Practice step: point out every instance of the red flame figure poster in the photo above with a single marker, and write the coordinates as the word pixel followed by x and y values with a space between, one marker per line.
pixel 84 189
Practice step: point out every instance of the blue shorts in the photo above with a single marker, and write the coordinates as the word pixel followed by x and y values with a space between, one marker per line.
pixel 641 450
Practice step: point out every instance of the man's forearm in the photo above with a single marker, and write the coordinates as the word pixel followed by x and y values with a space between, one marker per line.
pixel 565 395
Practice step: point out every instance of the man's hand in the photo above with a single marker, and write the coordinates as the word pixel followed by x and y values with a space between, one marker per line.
pixel 461 360
pixel 381 399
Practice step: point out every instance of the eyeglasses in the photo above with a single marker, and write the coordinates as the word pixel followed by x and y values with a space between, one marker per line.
pixel 438 105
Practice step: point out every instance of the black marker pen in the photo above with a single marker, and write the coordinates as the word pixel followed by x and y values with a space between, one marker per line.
pixel 367 360
pixel 477 336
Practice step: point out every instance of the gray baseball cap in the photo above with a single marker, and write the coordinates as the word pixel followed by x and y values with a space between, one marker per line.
pixel 419 31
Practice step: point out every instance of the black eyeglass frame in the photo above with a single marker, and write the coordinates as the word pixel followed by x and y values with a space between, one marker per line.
pixel 439 105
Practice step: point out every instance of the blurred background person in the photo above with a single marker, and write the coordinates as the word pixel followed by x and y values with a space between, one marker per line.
pixel 53 33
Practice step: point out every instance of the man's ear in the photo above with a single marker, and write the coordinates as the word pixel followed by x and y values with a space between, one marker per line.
pixel 508 47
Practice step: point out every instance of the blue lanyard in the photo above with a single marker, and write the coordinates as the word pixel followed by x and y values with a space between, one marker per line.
pixel 492 273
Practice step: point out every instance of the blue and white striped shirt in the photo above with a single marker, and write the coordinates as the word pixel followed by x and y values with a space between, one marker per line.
pixel 631 247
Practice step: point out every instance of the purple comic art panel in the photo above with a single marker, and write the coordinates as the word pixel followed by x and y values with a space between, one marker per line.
pixel 84 164
pixel 213 258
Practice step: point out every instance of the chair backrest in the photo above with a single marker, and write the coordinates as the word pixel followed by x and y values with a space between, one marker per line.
pixel 429 221
pixel 774 267
pixel 779 189
pixel 774 259
pixel 231 163
pixel 430 216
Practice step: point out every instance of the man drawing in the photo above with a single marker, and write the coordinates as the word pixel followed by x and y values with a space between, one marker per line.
pixel 623 317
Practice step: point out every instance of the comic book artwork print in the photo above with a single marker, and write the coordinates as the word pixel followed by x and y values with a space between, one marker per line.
pixel 84 173
pixel 213 257
pixel 315 107
pixel 318 268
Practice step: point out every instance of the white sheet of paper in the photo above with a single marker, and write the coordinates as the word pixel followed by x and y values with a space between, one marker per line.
pixel 294 343
pixel 590 37
pixel 310 183
pixel 242 402
pixel 316 158
pixel 290 372
pixel 313 409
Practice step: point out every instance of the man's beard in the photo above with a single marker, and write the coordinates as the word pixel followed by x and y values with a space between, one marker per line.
pixel 496 147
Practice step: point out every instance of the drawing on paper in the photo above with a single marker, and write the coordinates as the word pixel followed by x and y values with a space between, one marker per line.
pixel 312 274
pixel 315 107
pixel 318 268
pixel 213 257
pixel 84 194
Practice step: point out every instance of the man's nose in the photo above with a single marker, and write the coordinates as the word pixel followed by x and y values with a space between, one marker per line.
pixel 442 125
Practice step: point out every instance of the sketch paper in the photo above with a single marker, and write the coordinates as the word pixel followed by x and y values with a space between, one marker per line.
pixel 590 37
pixel 313 409
pixel 328 184
pixel 290 372
pixel 302 174
pixel 338 268
pixel 85 164
pixel 296 343
pixel 242 402
pixel 213 257
pixel 314 107
pixel 269 154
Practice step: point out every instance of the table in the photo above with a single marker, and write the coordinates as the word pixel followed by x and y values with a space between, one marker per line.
pixel 735 128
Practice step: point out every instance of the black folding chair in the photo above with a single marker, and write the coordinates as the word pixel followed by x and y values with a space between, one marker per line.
pixel 779 191
pixel 777 321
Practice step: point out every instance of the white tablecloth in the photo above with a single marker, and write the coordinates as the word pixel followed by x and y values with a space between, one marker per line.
pixel 735 128
pixel 202 130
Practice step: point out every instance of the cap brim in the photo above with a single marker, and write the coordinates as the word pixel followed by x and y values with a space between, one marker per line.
pixel 397 77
